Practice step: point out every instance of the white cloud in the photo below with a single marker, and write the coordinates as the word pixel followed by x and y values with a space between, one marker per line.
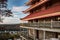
pixel 17 12
pixel 19 9
pixel 16 16
pixel 11 20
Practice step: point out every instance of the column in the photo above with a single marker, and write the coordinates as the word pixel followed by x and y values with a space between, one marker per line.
pixel 34 34
pixel 28 32
pixel 44 35
pixel 22 38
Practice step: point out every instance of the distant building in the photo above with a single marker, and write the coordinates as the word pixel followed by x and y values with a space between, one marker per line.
pixel 43 21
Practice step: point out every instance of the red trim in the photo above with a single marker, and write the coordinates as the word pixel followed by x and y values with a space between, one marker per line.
pixel 35 6
pixel 41 13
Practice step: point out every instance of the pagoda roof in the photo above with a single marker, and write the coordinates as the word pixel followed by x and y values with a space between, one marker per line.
pixel 27 10
pixel 29 2
pixel 45 13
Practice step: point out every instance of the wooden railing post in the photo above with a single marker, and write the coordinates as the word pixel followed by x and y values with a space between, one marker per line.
pixel 38 23
pixel 44 23
pixel 34 34
pixel 51 23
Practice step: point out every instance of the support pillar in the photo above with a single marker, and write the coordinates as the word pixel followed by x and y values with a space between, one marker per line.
pixel 27 33
pixel 44 35
pixel 34 34
pixel 22 39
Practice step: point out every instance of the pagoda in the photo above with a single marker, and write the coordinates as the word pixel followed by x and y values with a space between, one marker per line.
pixel 43 20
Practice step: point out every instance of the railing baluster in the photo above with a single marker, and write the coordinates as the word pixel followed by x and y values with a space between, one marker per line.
pixel 56 24
pixel 52 24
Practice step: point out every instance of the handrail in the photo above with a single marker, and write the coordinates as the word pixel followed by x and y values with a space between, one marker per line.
pixel 42 24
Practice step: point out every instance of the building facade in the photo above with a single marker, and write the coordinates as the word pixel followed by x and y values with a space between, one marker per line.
pixel 43 20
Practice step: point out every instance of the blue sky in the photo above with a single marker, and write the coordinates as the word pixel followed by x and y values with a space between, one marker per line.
pixel 17 6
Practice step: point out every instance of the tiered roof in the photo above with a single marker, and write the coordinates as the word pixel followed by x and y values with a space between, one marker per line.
pixel 44 13
pixel 41 2
pixel 29 2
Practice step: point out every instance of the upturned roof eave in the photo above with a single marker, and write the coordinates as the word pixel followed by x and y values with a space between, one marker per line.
pixel 27 10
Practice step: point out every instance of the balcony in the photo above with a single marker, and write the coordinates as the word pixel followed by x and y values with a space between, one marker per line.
pixel 53 24
pixel 29 38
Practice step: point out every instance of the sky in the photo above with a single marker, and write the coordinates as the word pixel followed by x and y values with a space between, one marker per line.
pixel 17 6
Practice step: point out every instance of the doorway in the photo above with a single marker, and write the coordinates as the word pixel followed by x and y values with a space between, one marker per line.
pixel 37 34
